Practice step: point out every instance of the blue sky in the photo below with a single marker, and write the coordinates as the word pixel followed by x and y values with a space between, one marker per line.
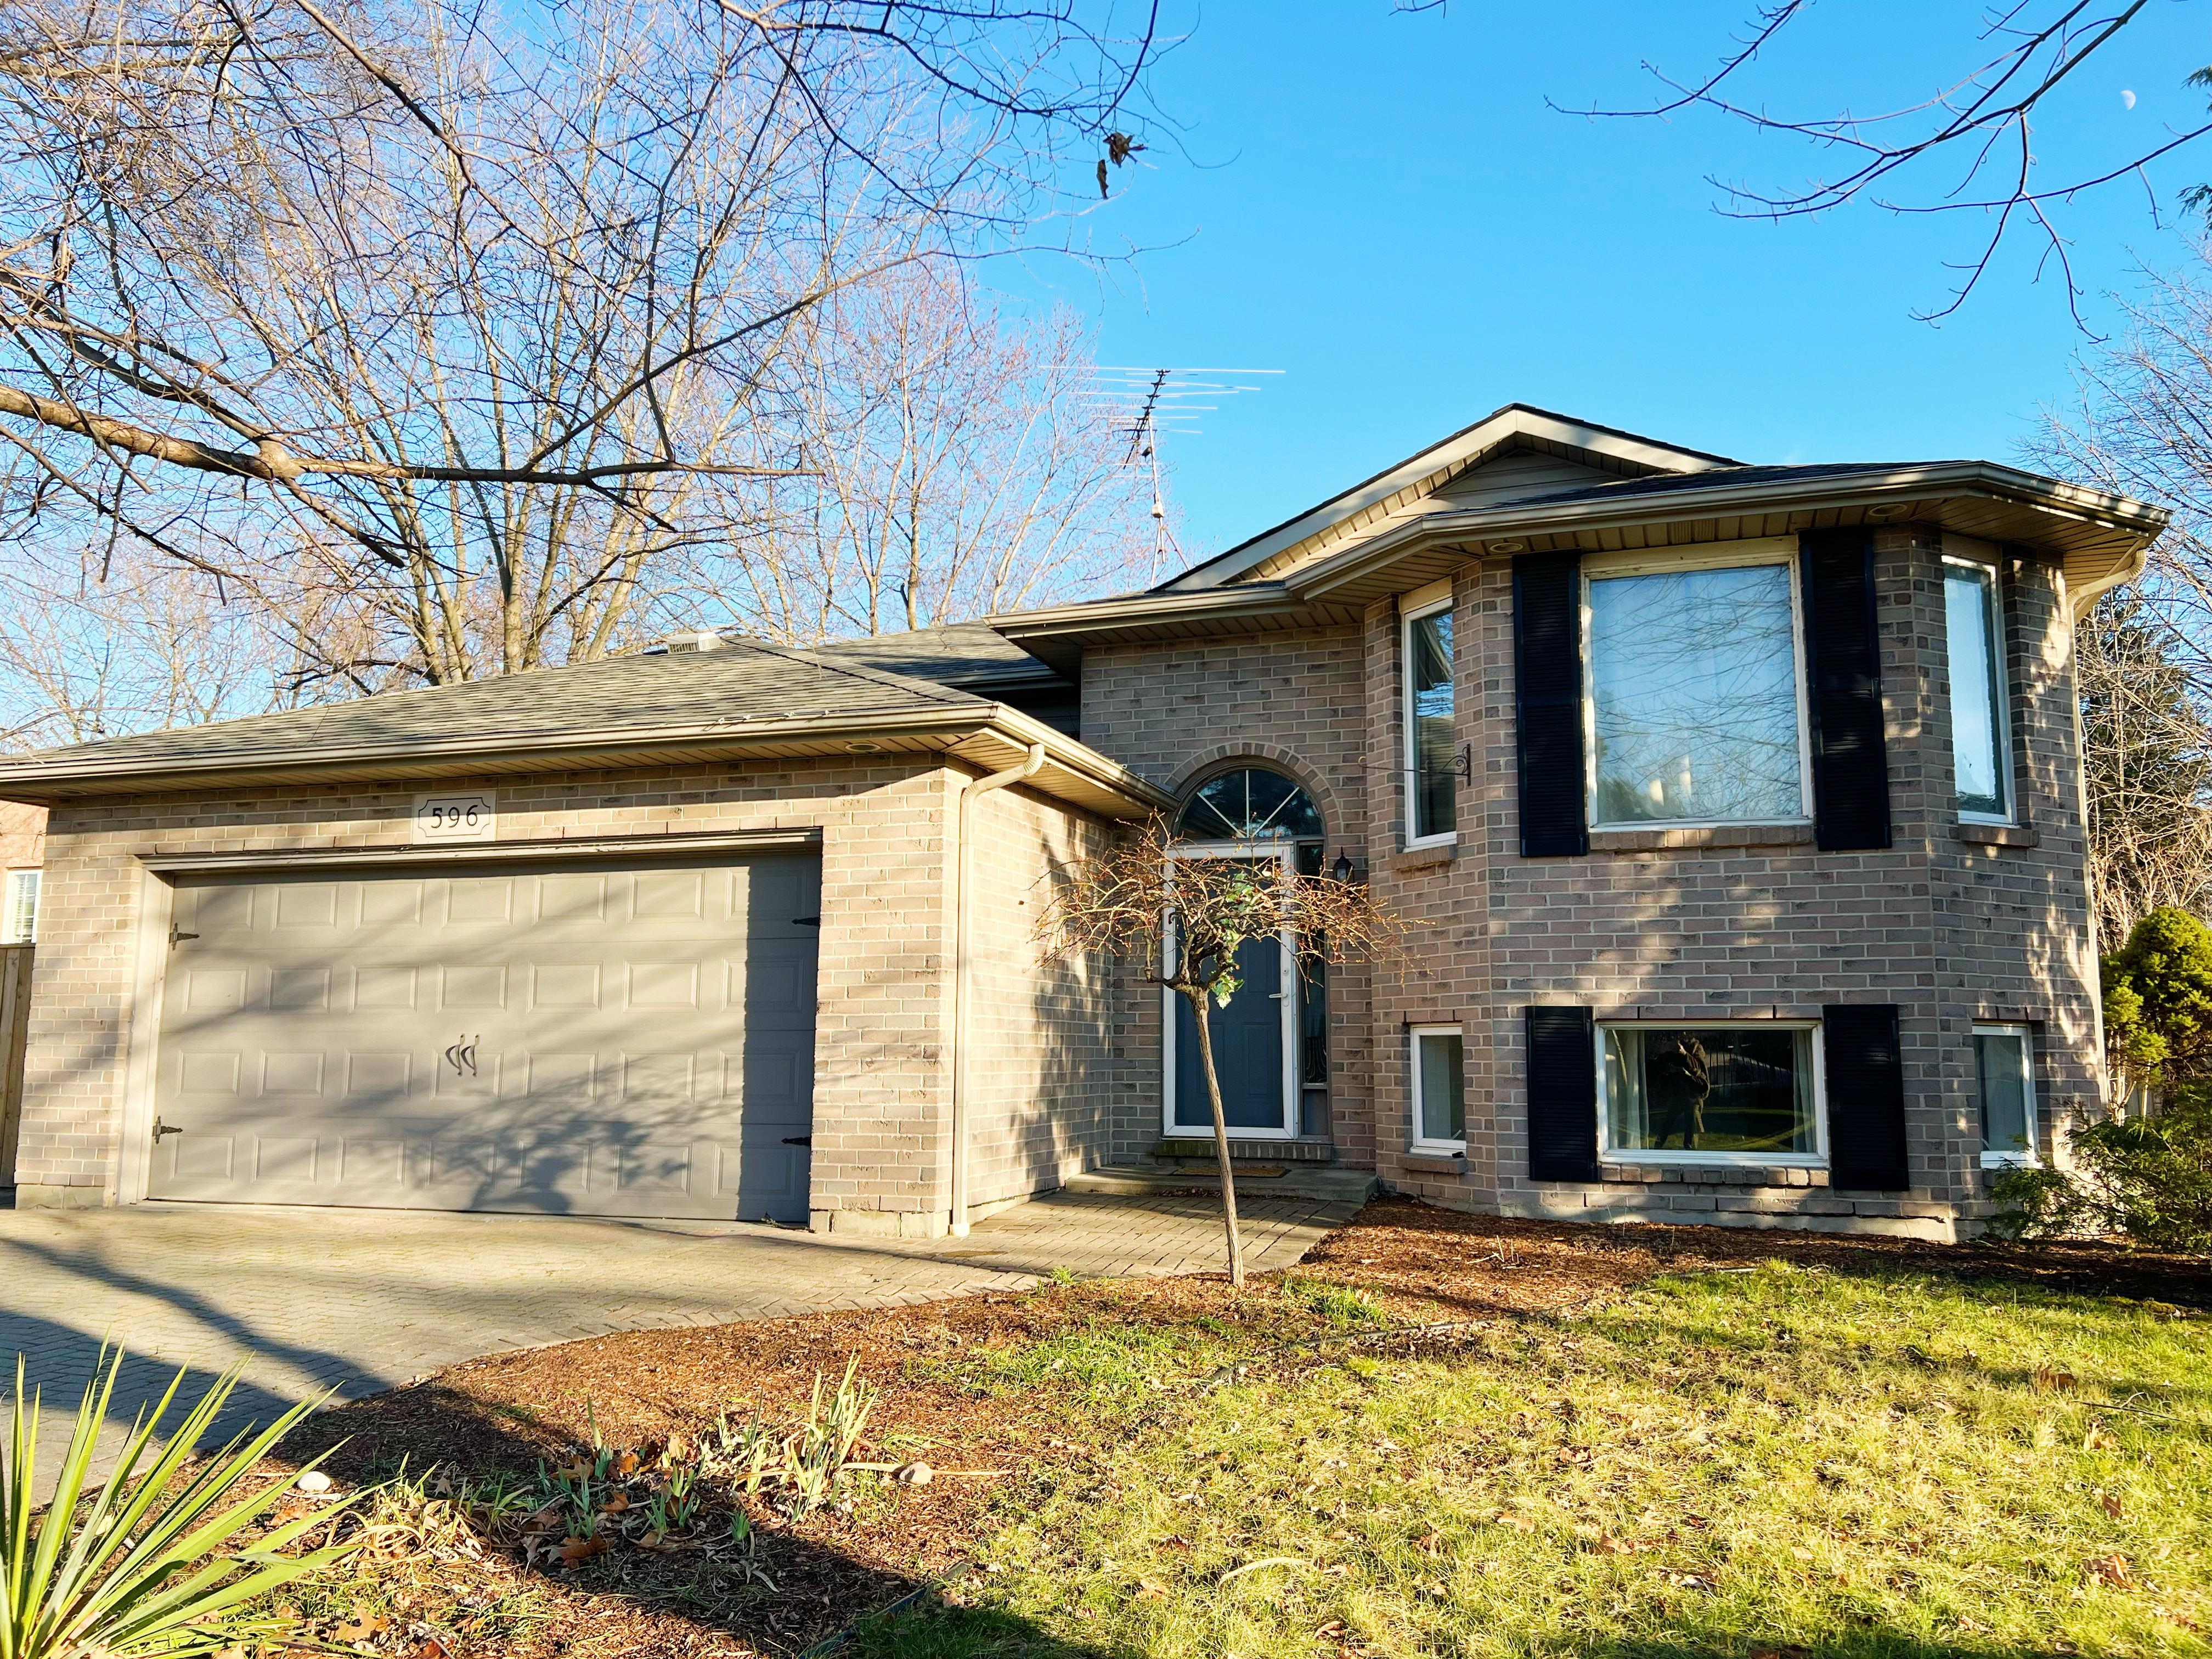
pixel 1381 205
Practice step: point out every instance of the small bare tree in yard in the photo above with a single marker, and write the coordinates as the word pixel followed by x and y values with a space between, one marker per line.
pixel 1185 920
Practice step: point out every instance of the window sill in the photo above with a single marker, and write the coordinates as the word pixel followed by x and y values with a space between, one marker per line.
pixel 1719 834
pixel 1434 1160
pixel 1434 856
pixel 2008 1161
pixel 1997 835
pixel 1632 1170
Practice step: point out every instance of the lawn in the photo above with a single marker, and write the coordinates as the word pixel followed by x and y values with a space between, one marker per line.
pixel 1438 1436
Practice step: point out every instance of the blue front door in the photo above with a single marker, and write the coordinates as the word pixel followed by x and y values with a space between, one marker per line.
pixel 1247 1047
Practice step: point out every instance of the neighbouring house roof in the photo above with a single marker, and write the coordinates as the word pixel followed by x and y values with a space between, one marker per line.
pixel 1517 485
pixel 968 655
pixel 746 698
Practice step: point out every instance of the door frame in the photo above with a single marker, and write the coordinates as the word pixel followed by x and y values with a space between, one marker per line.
pixel 1286 999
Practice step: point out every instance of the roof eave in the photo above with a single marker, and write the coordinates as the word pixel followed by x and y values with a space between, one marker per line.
pixel 986 733
pixel 1473 532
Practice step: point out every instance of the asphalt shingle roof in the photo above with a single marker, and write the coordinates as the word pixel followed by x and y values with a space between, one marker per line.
pixel 1718 477
pixel 744 680
pixel 959 653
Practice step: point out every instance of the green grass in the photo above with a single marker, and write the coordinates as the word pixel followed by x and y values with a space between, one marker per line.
pixel 1725 1464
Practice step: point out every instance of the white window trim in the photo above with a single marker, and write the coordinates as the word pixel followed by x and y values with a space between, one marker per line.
pixel 2002 667
pixel 1817 1159
pixel 1417 1142
pixel 1406 618
pixel 1287 992
pixel 2027 1159
pixel 1772 550
pixel 9 888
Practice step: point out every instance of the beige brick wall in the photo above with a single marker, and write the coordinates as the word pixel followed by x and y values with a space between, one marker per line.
pixel 1043 1060
pixel 881 1094
pixel 22 835
pixel 1953 931
pixel 1178 714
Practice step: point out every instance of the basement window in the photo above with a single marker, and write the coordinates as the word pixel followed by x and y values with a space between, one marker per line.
pixel 1741 1093
pixel 1439 1075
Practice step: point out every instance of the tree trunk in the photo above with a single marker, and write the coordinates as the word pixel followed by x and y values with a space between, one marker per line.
pixel 1198 1003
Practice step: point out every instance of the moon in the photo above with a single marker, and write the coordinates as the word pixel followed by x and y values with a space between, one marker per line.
pixel 2127 99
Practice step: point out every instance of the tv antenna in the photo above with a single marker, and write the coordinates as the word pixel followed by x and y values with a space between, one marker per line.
pixel 1147 405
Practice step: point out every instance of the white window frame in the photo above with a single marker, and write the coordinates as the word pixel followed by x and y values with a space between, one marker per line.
pixel 17 881
pixel 1286 993
pixel 1412 613
pixel 1416 1141
pixel 2002 690
pixel 2027 1158
pixel 1732 556
pixel 1816 1160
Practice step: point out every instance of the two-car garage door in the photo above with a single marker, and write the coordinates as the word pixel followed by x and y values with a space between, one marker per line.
pixel 617 1039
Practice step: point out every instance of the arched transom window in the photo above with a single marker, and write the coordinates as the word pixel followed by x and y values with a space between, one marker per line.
pixel 1252 804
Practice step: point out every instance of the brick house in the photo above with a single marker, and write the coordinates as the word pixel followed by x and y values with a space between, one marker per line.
pixel 1741 805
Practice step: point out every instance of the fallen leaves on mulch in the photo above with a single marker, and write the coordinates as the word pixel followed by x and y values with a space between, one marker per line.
pixel 1419 1265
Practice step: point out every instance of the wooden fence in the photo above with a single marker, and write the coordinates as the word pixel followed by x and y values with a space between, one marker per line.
pixel 14 1027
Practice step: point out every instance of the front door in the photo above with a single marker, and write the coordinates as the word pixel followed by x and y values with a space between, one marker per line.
pixel 1248 1049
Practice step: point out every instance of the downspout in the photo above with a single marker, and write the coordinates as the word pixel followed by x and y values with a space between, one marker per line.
pixel 962 961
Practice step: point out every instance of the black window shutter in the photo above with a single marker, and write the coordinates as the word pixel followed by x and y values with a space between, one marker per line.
pixel 1842 665
pixel 1562 1094
pixel 1547 703
pixel 1865 1068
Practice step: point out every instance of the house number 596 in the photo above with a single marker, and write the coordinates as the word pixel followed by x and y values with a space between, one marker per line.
pixel 472 817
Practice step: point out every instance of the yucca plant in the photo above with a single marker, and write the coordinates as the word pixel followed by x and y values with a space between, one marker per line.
pixel 148 1563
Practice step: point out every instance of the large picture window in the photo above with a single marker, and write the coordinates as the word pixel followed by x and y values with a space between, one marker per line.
pixel 1431 749
pixel 2005 1069
pixel 1979 737
pixel 1742 1093
pixel 1695 704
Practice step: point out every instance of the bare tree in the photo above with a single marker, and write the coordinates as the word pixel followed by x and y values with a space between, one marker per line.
pixel 2144 656
pixel 1184 921
pixel 956 469
pixel 1966 147
pixel 150 646
pixel 2148 767
pixel 459 326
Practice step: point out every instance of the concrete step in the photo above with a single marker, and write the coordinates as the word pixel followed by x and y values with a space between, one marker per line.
pixel 1328 1182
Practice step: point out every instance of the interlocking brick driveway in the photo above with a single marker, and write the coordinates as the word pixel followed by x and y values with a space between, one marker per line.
pixel 362 1300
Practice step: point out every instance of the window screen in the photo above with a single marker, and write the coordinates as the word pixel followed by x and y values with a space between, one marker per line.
pixel 1978 722
pixel 1694 697
pixel 1428 727
pixel 1439 1086
pixel 2003 1061
pixel 1739 1090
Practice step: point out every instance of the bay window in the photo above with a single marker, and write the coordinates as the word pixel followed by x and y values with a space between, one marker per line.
pixel 1979 741
pixel 1743 1092
pixel 1694 700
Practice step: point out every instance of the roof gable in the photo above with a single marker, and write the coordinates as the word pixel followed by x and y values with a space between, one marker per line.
pixel 1519 451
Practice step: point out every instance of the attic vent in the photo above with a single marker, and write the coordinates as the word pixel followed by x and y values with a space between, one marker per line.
pixel 704 639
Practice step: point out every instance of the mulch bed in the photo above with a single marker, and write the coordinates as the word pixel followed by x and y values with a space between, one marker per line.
pixel 1422 1264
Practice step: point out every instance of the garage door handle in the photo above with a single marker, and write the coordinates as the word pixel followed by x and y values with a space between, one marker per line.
pixel 161 1128
pixel 806 921
pixel 798 1140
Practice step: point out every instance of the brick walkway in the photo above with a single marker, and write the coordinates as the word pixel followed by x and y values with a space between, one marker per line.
pixel 362 1299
